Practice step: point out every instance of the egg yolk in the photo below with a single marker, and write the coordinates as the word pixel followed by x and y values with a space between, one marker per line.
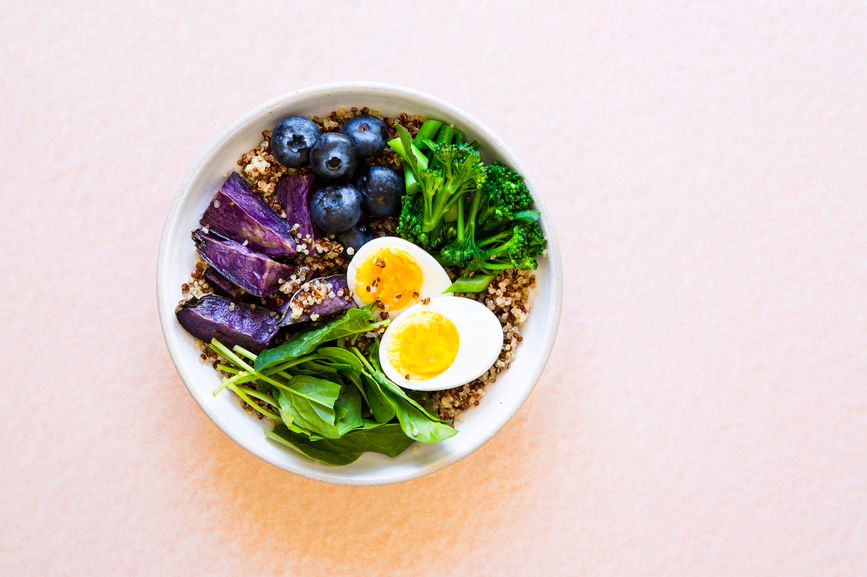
pixel 423 346
pixel 389 275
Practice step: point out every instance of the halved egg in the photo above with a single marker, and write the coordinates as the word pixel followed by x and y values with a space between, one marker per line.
pixel 395 273
pixel 440 345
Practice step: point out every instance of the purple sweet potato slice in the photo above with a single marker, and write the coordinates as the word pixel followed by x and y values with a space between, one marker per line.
pixel 232 323
pixel 293 194
pixel 223 286
pixel 317 298
pixel 236 212
pixel 255 273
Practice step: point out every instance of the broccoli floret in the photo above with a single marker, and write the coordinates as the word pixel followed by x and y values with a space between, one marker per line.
pixel 507 195
pixel 493 231
pixel 519 250
pixel 459 171
pixel 409 222
pixel 498 206
pixel 463 250
pixel 512 238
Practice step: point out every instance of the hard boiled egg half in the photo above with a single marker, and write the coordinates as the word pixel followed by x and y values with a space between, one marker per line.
pixel 395 273
pixel 440 345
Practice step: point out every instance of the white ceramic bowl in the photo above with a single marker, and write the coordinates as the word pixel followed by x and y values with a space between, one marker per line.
pixel 177 257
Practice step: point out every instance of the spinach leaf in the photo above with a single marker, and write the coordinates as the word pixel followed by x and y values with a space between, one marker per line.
pixel 310 403
pixel 386 439
pixel 320 370
pixel 341 356
pixel 421 398
pixel 354 322
pixel 380 406
pixel 341 359
pixel 354 377
pixel 348 410
pixel 417 423
pixel 385 382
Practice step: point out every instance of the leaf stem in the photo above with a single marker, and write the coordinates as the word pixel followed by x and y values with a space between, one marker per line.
pixel 364 361
pixel 244 352
pixel 259 395
pixel 217 346
pixel 241 393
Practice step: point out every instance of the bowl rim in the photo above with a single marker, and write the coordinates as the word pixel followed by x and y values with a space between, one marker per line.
pixel 553 261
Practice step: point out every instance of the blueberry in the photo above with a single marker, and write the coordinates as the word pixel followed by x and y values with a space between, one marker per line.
pixel 369 134
pixel 335 208
pixel 292 140
pixel 381 188
pixel 334 156
pixel 353 239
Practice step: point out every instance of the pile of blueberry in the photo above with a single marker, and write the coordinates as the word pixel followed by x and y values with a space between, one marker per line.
pixel 336 207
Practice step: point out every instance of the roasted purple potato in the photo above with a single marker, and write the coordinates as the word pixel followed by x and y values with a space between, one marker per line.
pixel 232 323
pixel 256 273
pixel 236 212
pixel 293 194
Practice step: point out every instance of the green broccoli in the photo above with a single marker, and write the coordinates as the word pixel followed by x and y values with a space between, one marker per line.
pixel 507 196
pixel 459 171
pixel 410 222
pixel 497 207
pixel 499 231
pixel 519 250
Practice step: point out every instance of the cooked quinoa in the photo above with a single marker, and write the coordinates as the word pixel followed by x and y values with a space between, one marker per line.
pixel 508 296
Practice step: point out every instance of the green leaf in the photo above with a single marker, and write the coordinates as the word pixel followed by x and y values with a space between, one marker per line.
pixel 382 409
pixel 385 439
pixel 408 150
pixel 354 322
pixel 348 410
pixel 382 378
pixel 418 397
pixel 313 408
pixel 342 356
pixel 415 421
pixel 527 215
pixel 320 370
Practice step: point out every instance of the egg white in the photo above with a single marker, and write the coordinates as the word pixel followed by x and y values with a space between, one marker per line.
pixel 480 337
pixel 434 279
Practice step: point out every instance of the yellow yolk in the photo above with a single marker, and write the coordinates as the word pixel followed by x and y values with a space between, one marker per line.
pixel 390 275
pixel 423 346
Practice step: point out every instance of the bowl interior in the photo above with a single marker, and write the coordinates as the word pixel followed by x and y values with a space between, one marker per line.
pixel 178 257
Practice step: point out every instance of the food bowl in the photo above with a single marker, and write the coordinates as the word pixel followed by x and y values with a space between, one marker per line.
pixel 177 257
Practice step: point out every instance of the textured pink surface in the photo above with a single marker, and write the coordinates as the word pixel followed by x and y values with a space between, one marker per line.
pixel 703 412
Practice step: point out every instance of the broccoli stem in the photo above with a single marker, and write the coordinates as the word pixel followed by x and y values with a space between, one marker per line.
pixel 428 130
pixel 446 135
pixel 460 225
pixel 475 284
pixel 444 199
pixel 505 235
pixel 408 177
pixel 500 266
pixel 451 214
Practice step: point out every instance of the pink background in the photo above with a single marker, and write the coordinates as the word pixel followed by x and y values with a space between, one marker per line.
pixel 704 409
